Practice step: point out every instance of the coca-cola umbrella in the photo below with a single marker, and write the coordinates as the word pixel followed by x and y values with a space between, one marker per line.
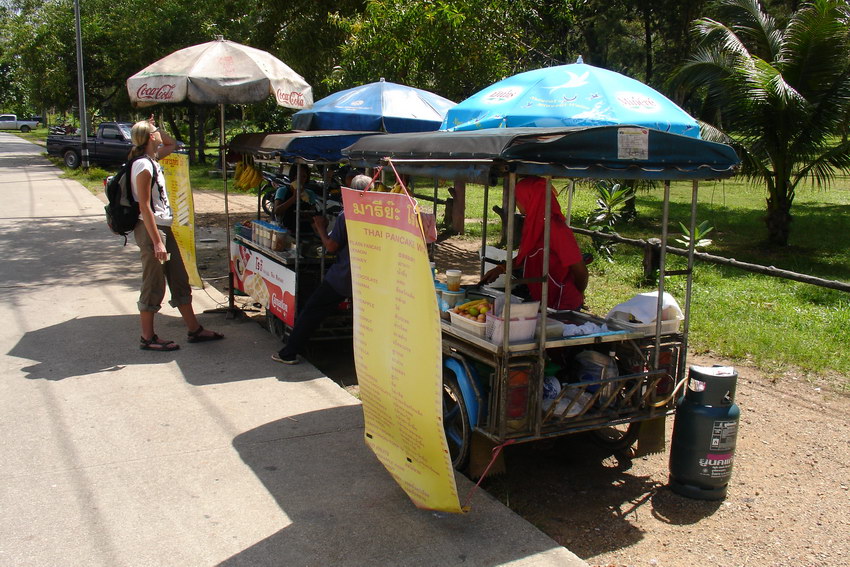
pixel 219 72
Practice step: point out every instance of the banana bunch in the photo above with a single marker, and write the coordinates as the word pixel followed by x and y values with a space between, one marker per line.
pixel 476 309
pixel 247 175
pixel 397 188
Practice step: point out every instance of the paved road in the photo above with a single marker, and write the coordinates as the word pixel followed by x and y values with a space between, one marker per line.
pixel 211 455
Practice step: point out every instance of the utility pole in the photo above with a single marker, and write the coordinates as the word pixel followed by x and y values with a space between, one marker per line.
pixel 81 91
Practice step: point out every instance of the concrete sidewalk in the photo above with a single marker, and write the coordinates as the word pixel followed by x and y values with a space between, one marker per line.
pixel 209 455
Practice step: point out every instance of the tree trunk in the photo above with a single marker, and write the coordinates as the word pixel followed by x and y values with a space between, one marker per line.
pixel 193 147
pixel 647 38
pixel 172 125
pixel 202 123
pixel 630 206
pixel 778 219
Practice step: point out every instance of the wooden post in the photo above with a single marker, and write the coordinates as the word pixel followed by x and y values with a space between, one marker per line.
pixel 651 259
pixel 459 207
pixel 448 212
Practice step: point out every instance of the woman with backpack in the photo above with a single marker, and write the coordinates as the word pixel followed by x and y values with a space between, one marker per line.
pixel 161 260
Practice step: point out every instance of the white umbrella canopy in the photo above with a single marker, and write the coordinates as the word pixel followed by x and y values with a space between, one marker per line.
pixel 219 72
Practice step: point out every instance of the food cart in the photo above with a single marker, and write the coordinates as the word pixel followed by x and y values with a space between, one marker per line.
pixel 497 383
pixel 279 267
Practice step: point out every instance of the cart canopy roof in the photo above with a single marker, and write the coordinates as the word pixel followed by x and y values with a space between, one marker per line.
pixel 621 152
pixel 313 146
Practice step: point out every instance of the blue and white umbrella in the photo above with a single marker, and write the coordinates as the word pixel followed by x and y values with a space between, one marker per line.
pixel 569 95
pixel 376 107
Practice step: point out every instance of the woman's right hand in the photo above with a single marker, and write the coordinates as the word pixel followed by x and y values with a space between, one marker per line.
pixel 159 251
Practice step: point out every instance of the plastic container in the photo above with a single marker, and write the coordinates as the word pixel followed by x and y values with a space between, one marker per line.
pixel 521 329
pixel 261 233
pixel 281 240
pixel 452 298
pixel 648 329
pixel 554 328
pixel 524 310
pixel 453 280
pixel 256 229
pixel 243 231
pixel 594 366
pixel 468 325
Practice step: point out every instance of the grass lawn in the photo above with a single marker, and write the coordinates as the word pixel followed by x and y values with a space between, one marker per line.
pixel 778 325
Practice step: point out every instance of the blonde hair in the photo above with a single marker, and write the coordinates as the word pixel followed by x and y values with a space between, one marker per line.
pixel 140 135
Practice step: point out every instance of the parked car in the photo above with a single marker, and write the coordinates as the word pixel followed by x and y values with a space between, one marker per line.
pixel 109 145
pixel 11 122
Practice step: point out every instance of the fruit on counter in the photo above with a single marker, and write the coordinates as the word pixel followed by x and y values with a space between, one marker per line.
pixel 475 310
pixel 473 303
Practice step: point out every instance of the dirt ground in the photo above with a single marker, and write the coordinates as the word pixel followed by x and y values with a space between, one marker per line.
pixel 788 502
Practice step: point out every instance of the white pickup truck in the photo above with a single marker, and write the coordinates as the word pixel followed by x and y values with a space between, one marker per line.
pixel 11 122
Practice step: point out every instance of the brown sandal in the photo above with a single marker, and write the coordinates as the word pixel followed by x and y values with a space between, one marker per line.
pixel 155 343
pixel 198 336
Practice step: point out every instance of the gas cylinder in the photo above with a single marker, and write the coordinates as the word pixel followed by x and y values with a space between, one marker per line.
pixel 704 433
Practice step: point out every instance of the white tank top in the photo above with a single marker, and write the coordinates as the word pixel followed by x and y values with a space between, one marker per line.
pixel 159 196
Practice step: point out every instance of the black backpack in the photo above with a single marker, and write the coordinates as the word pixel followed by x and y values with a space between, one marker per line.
pixel 122 210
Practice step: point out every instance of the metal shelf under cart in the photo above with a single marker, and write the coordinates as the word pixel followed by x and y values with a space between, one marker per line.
pixel 581 406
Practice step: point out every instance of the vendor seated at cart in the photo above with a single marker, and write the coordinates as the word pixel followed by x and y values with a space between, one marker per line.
pixel 568 274
pixel 335 287
pixel 284 197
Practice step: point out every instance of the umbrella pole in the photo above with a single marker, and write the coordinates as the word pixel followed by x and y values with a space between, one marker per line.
pixel 223 158
pixel 230 311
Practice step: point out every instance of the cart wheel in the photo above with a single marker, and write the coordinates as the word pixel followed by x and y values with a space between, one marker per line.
pixel 616 438
pixel 268 192
pixel 276 326
pixel 456 422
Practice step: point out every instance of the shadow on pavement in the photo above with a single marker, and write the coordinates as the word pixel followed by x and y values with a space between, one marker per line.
pixel 313 461
pixel 89 345
pixel 67 250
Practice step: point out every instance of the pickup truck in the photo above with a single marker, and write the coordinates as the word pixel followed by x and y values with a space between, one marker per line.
pixel 108 146
pixel 11 122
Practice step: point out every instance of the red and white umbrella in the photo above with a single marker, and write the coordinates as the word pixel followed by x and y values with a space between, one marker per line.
pixel 219 72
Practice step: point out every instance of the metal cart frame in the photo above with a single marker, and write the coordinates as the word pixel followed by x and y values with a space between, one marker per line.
pixel 482 402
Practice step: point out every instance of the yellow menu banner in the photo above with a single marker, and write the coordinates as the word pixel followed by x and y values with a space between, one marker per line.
pixel 176 170
pixel 397 350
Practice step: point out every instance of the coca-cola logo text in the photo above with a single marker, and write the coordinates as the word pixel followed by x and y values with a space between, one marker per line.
pixel 161 93
pixel 294 98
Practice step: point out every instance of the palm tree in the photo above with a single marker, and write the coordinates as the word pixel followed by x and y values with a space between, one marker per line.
pixel 781 95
